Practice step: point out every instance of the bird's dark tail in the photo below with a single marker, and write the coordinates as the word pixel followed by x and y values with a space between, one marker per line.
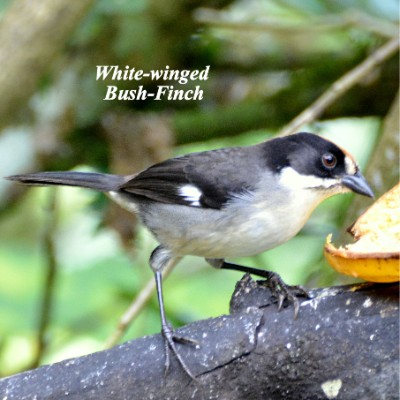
pixel 91 180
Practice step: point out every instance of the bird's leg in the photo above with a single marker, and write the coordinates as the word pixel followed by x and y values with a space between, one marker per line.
pixel 273 281
pixel 158 260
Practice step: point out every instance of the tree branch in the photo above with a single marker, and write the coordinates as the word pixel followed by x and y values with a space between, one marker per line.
pixel 344 344
pixel 341 86
pixel 354 17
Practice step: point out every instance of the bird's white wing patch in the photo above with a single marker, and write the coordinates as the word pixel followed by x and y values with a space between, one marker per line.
pixel 191 194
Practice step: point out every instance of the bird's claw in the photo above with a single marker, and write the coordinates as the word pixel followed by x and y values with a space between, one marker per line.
pixel 169 342
pixel 282 292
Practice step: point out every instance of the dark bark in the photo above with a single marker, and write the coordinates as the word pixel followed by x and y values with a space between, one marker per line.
pixel 343 345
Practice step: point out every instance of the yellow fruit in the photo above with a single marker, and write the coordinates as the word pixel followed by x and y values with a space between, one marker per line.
pixel 374 256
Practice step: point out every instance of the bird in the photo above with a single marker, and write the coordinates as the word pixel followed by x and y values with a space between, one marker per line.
pixel 225 203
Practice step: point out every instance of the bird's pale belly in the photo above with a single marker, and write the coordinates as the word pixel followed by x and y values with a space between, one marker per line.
pixel 227 244
pixel 241 231
pixel 224 238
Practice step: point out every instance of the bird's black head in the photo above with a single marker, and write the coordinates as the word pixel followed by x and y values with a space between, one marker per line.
pixel 308 161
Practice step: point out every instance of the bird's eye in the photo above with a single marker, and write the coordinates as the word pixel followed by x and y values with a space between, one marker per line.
pixel 329 160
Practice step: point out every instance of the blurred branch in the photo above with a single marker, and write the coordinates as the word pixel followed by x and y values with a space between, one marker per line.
pixel 31 33
pixel 51 273
pixel 221 19
pixel 341 86
pixel 135 308
pixel 382 27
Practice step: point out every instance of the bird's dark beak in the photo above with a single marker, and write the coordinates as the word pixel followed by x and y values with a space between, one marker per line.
pixel 358 184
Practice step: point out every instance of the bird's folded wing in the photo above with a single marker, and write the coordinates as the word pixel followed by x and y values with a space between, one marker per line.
pixel 208 179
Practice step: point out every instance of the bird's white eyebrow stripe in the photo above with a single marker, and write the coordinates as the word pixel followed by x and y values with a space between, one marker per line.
pixel 191 194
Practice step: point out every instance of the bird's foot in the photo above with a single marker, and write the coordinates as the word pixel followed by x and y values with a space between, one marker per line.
pixel 170 340
pixel 281 291
pixel 273 281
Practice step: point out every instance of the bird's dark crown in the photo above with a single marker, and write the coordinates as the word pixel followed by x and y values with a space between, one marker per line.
pixel 303 152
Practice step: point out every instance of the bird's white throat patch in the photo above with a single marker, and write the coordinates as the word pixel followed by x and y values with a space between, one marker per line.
pixel 292 180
